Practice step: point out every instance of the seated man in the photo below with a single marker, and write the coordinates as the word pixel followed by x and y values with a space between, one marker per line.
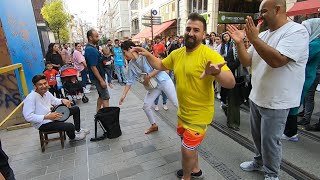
pixel 37 111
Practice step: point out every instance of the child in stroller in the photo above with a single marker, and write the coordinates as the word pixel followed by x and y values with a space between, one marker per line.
pixel 72 87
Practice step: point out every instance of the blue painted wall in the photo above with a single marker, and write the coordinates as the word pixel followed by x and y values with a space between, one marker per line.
pixel 21 33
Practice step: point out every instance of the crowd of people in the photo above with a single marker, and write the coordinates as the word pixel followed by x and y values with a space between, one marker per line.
pixel 262 66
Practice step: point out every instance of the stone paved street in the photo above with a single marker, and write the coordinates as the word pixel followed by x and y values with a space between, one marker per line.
pixel 133 155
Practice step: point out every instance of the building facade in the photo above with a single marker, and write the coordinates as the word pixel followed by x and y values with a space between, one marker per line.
pixel 114 21
pixel 218 13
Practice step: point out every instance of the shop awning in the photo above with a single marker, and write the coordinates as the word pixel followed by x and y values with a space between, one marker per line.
pixel 157 29
pixel 304 8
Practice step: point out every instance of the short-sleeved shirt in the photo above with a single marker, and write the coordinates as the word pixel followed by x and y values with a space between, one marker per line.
pixel 78 59
pixel 51 76
pixel 143 67
pixel 118 56
pixel 66 54
pixel 195 96
pixel 94 58
pixel 280 88
pixel 158 48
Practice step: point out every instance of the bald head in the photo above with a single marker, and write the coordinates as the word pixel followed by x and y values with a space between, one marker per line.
pixel 282 4
pixel 273 12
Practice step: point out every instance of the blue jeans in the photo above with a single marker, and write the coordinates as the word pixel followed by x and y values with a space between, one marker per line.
pixel 120 73
pixel 164 98
pixel 84 77
pixel 109 74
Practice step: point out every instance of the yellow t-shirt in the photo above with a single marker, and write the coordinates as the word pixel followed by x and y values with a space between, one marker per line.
pixel 195 96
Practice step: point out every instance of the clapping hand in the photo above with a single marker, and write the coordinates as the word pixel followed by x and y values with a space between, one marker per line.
pixel 212 69
pixel 252 31
pixel 236 34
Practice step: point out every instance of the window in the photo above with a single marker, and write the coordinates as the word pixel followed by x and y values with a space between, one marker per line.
pixel 134 5
pixel 199 6
pixel 245 6
pixel 146 3
pixel 173 6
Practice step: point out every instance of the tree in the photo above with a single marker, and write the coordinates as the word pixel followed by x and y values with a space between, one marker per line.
pixel 64 35
pixel 56 17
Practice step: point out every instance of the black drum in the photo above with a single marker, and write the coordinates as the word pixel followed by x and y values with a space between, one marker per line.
pixel 62 109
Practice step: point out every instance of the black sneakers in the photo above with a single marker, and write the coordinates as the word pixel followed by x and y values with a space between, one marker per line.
pixel 198 175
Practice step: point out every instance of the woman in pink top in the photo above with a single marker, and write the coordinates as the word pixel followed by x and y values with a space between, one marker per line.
pixel 80 65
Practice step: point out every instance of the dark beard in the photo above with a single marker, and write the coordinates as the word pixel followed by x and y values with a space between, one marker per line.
pixel 190 44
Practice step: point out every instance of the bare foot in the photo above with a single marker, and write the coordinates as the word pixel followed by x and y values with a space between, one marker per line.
pixel 111 86
pixel 151 129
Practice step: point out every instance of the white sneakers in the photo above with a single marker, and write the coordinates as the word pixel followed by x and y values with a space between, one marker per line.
pixel 165 107
pixel 270 178
pixel 80 135
pixel 253 166
pixel 293 138
pixel 250 166
pixel 78 96
pixel 82 130
pixel 86 91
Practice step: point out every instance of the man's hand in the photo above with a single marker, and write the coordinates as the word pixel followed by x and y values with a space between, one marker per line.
pixel 212 69
pixel 66 102
pixel 140 50
pixel 236 34
pixel 122 99
pixel 251 30
pixel 53 116
pixel 103 84
pixel 146 80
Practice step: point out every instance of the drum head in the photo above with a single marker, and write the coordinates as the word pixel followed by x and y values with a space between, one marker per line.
pixel 64 110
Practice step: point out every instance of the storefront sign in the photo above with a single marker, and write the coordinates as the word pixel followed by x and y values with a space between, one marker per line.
pixel 232 17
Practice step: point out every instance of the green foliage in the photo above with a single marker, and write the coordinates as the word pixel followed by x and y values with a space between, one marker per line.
pixel 64 35
pixel 103 40
pixel 56 17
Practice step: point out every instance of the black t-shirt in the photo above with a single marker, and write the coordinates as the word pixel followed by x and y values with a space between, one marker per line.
pixel 55 59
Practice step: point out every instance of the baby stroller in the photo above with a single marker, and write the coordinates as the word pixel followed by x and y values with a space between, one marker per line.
pixel 70 83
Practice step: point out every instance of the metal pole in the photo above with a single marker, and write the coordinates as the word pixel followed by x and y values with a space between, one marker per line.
pixel 151 26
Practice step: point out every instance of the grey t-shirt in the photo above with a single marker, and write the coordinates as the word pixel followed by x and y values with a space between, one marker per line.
pixel 280 88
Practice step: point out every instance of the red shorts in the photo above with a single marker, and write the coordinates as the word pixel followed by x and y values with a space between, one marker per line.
pixel 191 134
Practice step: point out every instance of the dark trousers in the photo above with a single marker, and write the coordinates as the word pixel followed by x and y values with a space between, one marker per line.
pixel 84 77
pixel 233 118
pixel 224 95
pixel 291 128
pixel 5 168
pixel 65 126
pixel 53 89
pixel 109 73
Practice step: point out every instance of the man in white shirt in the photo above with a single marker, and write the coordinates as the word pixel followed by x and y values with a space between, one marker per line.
pixel 37 110
pixel 277 57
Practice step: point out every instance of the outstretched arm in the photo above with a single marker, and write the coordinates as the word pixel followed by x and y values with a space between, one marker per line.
pixel 156 63
pixel 124 94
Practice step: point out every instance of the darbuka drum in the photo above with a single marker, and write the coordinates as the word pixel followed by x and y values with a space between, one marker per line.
pixel 64 110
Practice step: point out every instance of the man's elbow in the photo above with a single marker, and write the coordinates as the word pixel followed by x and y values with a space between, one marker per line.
pixel 229 84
